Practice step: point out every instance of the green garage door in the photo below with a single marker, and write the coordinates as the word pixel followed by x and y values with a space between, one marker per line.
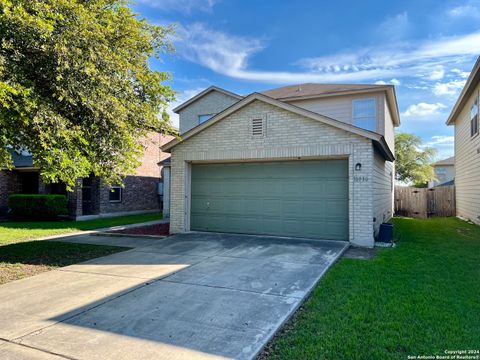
pixel 291 198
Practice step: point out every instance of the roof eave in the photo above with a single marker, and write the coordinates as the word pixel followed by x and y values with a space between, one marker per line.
pixel 472 80
pixel 203 93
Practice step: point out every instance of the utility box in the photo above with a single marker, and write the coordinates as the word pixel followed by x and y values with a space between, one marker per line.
pixel 385 235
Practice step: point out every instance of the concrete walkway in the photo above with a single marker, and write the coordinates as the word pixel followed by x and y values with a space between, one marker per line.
pixel 190 296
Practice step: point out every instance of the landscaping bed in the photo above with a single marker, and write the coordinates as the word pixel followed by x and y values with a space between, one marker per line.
pixel 156 229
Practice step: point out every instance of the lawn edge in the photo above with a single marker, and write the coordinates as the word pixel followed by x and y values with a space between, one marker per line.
pixel 280 325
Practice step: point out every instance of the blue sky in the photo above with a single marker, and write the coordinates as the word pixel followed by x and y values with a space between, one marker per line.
pixel 425 48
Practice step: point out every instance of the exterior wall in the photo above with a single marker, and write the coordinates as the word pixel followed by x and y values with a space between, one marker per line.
pixel 8 185
pixel 444 173
pixel 389 130
pixel 467 165
pixel 212 103
pixel 383 190
pixel 230 140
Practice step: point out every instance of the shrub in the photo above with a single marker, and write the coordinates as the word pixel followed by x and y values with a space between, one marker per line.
pixel 37 206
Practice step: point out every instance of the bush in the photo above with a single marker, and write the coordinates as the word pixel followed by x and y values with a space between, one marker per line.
pixel 37 206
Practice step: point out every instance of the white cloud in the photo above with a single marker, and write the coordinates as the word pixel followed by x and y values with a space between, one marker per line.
pixel 392 81
pixel 183 6
pixel 470 10
pixel 437 74
pixel 221 52
pixel 444 145
pixel 229 55
pixel 423 109
pixel 462 74
pixel 448 88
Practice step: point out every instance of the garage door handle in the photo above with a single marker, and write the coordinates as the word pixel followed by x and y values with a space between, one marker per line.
pixel 208 204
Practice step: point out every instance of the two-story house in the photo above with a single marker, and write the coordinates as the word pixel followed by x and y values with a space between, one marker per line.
pixel 306 161
pixel 444 172
pixel 465 118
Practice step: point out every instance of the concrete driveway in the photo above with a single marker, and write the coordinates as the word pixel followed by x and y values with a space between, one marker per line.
pixel 189 296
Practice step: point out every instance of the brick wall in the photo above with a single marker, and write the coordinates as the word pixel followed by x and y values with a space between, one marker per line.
pixel 8 185
pixel 288 136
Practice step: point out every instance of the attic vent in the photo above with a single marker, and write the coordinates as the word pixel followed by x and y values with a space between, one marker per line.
pixel 258 127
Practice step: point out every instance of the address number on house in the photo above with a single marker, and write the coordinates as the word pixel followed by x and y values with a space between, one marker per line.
pixel 360 179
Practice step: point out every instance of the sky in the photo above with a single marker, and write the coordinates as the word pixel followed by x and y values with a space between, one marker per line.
pixel 426 48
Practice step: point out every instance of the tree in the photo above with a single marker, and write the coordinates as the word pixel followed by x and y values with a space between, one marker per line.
pixel 413 164
pixel 76 89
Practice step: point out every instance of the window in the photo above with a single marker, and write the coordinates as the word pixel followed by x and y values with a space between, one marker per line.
pixel 474 118
pixel 364 114
pixel 205 117
pixel 115 194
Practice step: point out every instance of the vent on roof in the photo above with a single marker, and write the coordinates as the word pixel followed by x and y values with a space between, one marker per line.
pixel 258 127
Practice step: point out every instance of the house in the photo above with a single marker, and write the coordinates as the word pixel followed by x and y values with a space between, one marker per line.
pixel 465 118
pixel 444 172
pixel 91 198
pixel 307 161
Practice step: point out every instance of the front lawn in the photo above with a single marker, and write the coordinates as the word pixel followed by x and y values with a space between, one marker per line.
pixel 18 231
pixel 29 258
pixel 420 298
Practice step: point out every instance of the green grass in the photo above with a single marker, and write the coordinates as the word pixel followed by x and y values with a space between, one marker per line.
pixel 29 258
pixel 420 298
pixel 18 231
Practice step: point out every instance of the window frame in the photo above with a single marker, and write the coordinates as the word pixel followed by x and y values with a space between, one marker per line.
pixel 474 125
pixel 200 115
pixel 365 117
pixel 111 192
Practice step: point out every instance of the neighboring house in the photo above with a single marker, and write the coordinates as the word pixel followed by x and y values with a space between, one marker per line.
pixel 90 197
pixel 444 172
pixel 310 160
pixel 465 118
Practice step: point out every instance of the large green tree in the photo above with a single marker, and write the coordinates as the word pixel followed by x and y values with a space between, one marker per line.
pixel 413 162
pixel 76 89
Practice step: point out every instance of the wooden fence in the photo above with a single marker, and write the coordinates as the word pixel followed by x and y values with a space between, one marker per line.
pixel 423 203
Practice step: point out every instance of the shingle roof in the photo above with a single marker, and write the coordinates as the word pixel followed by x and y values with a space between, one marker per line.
pixel 20 160
pixel 448 161
pixel 311 89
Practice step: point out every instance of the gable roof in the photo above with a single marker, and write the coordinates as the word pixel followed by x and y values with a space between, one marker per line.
pixel 205 92
pixel 312 91
pixel 447 161
pixel 467 90
pixel 377 138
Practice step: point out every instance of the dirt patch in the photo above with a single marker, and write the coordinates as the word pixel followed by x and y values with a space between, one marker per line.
pixel 157 229
pixel 360 253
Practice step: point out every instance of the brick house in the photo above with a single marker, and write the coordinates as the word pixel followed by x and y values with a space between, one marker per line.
pixel 307 161
pixel 91 198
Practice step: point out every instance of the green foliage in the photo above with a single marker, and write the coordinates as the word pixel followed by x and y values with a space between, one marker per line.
pixel 413 163
pixel 76 88
pixel 37 206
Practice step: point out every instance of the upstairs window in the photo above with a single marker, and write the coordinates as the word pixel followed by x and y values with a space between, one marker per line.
pixel 115 194
pixel 364 114
pixel 474 118
pixel 205 117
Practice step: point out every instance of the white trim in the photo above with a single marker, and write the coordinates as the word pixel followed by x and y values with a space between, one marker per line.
pixel 203 93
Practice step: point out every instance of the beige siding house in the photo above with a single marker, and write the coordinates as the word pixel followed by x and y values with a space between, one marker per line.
pixel 465 118
pixel 444 172
pixel 307 161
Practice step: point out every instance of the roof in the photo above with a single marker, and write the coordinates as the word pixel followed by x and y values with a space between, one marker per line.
pixel 378 139
pixel 309 89
pixel 312 90
pixel 467 91
pixel 448 161
pixel 205 92
pixel 21 161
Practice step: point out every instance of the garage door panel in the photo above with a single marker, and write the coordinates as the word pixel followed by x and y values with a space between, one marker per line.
pixel 295 198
